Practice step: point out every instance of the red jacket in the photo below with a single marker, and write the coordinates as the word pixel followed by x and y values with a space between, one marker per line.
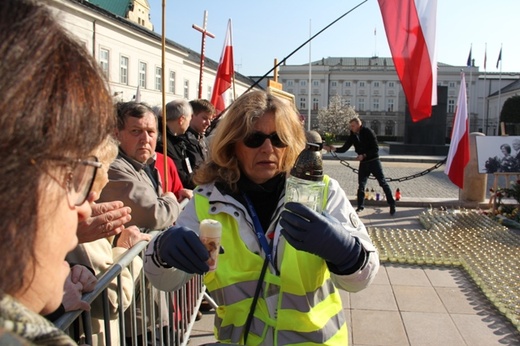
pixel 174 182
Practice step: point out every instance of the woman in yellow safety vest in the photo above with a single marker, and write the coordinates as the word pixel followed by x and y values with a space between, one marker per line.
pixel 277 281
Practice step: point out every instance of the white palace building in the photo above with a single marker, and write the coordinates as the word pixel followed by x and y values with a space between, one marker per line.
pixel 119 34
pixel 372 87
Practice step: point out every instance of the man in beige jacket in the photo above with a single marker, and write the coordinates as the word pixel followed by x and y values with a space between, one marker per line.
pixel 133 178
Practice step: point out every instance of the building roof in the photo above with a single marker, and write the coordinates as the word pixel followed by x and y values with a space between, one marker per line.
pixel 359 61
pixel 117 7
pixel 508 88
pixel 373 61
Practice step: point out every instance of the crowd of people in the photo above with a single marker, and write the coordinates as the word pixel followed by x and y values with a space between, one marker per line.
pixel 84 180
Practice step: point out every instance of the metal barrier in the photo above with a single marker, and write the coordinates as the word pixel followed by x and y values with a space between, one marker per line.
pixel 153 318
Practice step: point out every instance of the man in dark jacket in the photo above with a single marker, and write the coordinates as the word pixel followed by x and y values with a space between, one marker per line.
pixel 178 117
pixel 196 146
pixel 367 149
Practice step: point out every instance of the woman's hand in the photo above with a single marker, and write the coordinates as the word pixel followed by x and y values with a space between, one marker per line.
pixel 81 274
pixel 80 280
pixel 185 193
pixel 131 236
pixel 107 219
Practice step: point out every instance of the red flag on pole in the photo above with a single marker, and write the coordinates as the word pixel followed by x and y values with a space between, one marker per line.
pixel 225 73
pixel 458 154
pixel 410 30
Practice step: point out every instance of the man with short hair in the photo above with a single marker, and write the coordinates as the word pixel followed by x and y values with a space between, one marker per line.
pixel 196 146
pixel 178 117
pixel 133 178
pixel 367 149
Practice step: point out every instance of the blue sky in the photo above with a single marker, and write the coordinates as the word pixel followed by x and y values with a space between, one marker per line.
pixel 269 29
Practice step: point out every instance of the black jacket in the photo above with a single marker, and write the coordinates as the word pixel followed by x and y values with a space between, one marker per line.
pixel 365 142
pixel 177 151
pixel 196 151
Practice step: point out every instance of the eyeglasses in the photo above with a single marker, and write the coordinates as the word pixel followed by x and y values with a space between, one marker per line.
pixel 256 139
pixel 79 180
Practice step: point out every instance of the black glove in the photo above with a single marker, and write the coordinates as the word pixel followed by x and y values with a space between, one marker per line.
pixel 306 230
pixel 181 248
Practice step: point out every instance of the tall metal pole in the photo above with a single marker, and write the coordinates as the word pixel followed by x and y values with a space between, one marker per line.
pixel 163 89
pixel 310 83
pixel 484 103
pixel 502 126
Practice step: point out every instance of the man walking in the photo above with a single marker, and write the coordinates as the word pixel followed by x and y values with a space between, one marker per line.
pixel 367 149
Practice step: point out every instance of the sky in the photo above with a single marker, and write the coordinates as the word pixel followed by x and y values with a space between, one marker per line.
pixel 269 29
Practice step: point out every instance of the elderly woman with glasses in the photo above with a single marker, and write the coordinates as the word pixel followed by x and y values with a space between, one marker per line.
pixel 57 111
pixel 277 281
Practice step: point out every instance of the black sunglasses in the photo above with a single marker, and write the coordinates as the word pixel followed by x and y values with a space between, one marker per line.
pixel 256 140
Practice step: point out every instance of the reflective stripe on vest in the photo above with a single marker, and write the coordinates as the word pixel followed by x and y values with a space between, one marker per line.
pixel 300 305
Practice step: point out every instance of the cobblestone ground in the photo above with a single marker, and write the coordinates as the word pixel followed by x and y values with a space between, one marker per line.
pixel 435 184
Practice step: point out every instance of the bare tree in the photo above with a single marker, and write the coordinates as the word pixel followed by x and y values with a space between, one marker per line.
pixel 334 120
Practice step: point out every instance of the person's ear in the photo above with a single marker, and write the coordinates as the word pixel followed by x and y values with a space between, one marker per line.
pixel 116 134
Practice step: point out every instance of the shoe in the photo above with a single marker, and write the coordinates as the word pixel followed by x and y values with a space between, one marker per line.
pixel 392 209
pixel 205 306
pixel 199 316
pixel 360 209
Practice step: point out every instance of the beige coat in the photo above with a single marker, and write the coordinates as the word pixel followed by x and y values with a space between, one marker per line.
pixel 100 255
pixel 129 183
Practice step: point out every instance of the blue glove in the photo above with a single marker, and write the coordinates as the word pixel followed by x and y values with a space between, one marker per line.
pixel 181 248
pixel 306 230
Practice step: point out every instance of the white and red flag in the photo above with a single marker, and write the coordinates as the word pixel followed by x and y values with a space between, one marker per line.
pixel 458 154
pixel 410 27
pixel 225 73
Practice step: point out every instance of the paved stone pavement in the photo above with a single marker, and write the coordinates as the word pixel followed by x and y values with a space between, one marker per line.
pixel 434 184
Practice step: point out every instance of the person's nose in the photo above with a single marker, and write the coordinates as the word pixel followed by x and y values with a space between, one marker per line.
pixel 267 146
pixel 145 137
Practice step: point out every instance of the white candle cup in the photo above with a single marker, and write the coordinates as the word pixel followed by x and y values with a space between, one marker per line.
pixel 210 232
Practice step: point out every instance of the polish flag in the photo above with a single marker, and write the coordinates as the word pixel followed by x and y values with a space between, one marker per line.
pixel 410 30
pixel 458 154
pixel 225 73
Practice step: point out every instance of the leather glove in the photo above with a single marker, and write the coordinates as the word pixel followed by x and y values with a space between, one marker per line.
pixel 181 248
pixel 321 235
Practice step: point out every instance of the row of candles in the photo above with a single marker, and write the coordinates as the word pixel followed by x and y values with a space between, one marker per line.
pixel 488 251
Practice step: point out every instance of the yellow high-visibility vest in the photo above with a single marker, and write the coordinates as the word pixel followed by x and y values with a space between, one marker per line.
pixel 300 306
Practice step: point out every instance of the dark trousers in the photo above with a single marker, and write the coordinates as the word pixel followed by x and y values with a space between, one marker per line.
pixel 365 169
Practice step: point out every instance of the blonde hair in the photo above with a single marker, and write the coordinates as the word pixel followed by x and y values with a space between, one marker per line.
pixel 238 123
pixel 106 154
pixel 107 151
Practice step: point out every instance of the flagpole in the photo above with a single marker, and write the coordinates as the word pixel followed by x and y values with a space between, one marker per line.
pixel 163 67
pixel 484 104
pixel 499 87
pixel 375 42
pixel 310 85
pixel 470 65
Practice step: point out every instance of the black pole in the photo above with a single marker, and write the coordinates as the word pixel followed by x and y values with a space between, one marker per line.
pixel 294 51
pixel 303 45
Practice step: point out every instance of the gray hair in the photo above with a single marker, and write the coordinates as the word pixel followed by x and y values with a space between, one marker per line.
pixel 177 108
